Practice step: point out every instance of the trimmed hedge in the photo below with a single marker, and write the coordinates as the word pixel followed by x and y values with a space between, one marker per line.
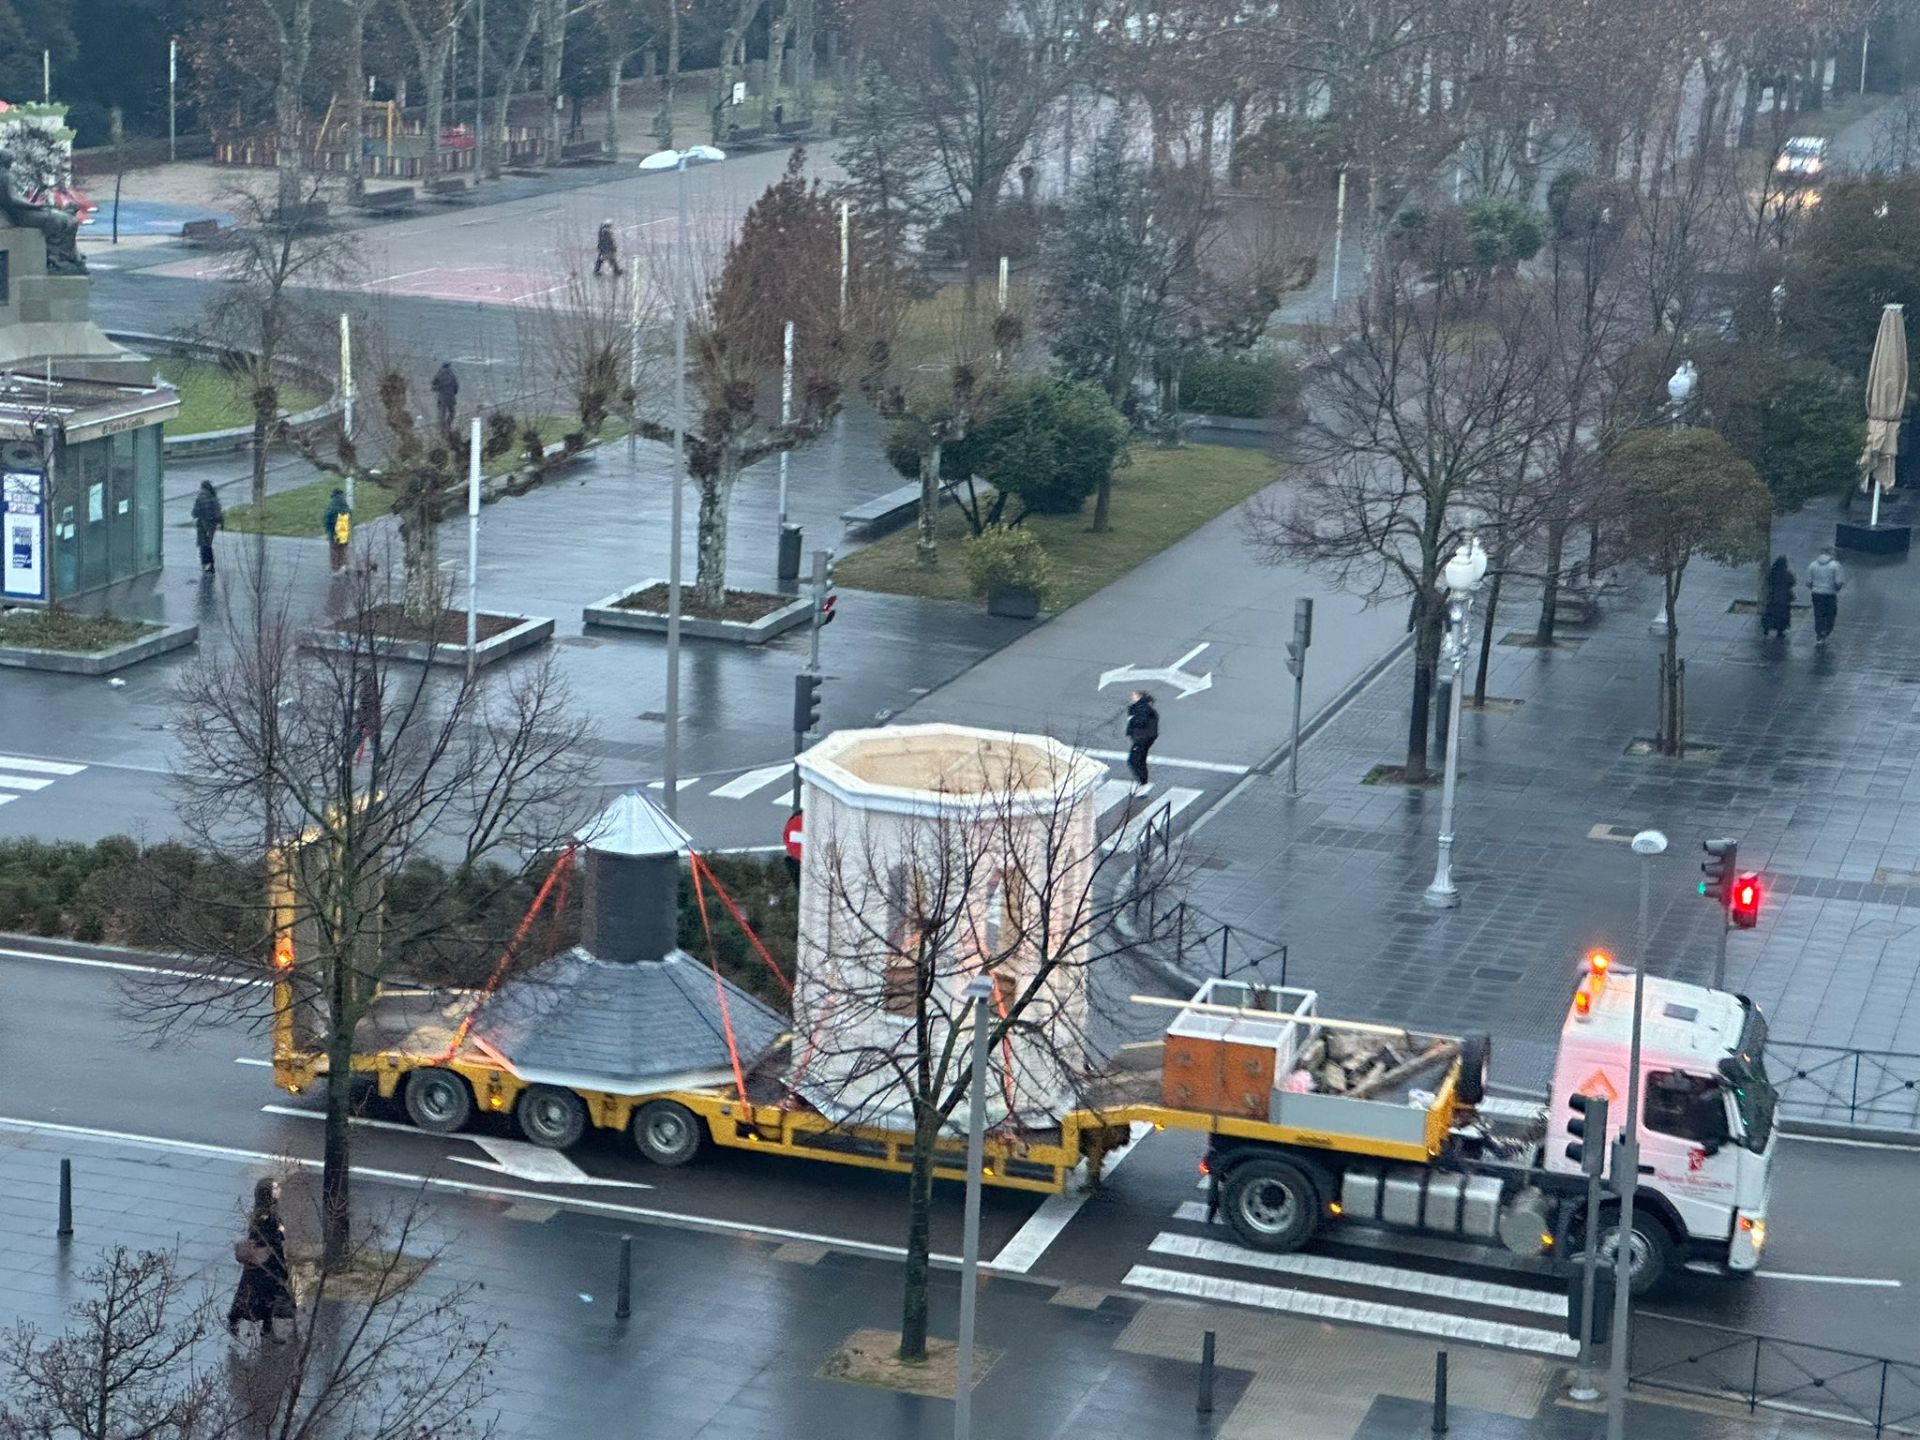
pixel 1240 387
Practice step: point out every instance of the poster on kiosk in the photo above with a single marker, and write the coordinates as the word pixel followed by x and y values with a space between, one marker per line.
pixel 23 536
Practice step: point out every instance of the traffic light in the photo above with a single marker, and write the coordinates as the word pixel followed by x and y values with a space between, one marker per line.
pixel 806 703
pixel 1745 909
pixel 827 604
pixel 824 596
pixel 1720 867
pixel 1588 1148
pixel 1302 636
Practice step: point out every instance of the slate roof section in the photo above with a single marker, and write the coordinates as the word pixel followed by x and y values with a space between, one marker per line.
pixel 582 1021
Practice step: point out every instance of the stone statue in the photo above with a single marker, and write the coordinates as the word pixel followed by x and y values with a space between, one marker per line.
pixel 61 229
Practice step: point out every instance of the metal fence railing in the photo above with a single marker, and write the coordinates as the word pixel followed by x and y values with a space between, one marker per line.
pixel 1762 1372
pixel 1833 1085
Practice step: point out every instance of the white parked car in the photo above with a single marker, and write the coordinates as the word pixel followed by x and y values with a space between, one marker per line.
pixel 1802 159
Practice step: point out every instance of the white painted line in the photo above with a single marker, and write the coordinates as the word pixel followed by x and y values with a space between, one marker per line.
pixel 1109 793
pixel 1829 1279
pixel 1355 1312
pixel 1841 1140
pixel 1218 767
pixel 23 782
pixel 88 963
pixel 1043 1227
pixel 253 1060
pixel 8 799
pixel 1161 809
pixel 678 785
pixel 521 1160
pixel 359 1122
pixel 741 786
pixel 39 767
pixel 1192 1211
pixel 1360 1272
pixel 464 1187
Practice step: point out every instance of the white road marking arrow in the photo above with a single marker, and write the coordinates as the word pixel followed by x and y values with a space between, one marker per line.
pixel 1175 675
pixel 535 1163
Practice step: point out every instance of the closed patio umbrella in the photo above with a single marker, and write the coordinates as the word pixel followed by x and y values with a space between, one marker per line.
pixel 1886 404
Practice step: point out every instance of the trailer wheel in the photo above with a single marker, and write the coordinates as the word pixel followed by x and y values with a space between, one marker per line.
pixel 1653 1247
pixel 551 1116
pixel 667 1132
pixel 1272 1203
pixel 1476 1059
pixel 438 1101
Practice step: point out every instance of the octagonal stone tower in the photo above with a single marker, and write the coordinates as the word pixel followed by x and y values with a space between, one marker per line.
pixel 930 854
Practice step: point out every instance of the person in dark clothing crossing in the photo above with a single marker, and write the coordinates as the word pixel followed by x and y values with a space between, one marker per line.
pixel 446 393
pixel 337 526
pixel 265 1291
pixel 1825 580
pixel 607 250
pixel 1143 728
pixel 209 518
pixel 1778 614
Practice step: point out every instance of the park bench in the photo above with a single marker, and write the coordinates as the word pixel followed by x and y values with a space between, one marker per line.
pixel 450 189
pixel 205 233
pixel 897 507
pixel 590 151
pixel 393 201
pixel 303 215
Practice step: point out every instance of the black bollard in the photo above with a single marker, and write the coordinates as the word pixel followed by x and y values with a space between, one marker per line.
pixel 65 1232
pixel 1204 1405
pixel 1440 1392
pixel 623 1298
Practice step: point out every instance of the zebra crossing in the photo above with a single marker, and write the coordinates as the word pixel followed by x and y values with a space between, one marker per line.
pixel 21 776
pixel 1413 1285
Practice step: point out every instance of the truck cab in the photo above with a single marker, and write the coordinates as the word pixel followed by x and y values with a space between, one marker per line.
pixel 1706 1124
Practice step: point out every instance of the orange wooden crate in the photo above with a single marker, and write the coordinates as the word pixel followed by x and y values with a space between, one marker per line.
pixel 1218 1076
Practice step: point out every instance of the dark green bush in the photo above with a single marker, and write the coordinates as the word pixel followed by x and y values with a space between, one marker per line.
pixel 1241 387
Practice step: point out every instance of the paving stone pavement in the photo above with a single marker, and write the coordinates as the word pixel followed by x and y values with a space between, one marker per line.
pixel 1805 755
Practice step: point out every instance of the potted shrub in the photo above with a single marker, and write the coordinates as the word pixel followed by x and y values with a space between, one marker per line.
pixel 1011 569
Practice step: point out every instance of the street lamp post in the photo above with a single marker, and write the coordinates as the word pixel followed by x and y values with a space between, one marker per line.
pixel 1626 1158
pixel 979 992
pixel 1464 572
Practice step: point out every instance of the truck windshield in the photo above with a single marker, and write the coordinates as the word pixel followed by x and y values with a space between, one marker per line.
pixel 1746 1074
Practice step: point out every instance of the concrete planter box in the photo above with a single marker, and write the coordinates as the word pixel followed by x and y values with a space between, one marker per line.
pixel 1881 539
pixel 608 613
pixel 1013 602
pixel 530 631
pixel 100 662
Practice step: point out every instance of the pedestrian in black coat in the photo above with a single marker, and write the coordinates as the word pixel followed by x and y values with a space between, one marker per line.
pixel 1778 613
pixel 1143 728
pixel 265 1291
pixel 209 518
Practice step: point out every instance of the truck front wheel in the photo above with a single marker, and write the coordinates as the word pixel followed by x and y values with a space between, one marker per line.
pixel 667 1132
pixel 438 1101
pixel 1651 1259
pixel 1272 1203
pixel 551 1116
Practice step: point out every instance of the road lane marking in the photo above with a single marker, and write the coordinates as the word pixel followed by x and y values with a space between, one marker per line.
pixel 741 786
pixel 24 782
pixel 1845 1140
pixel 359 1122
pixel 39 767
pixel 1043 1227
pixel 681 784
pixel 8 799
pixel 1163 809
pixel 1357 1312
pixel 521 1160
pixel 1828 1279
pixel 1218 767
pixel 253 1060
pixel 88 963
pixel 704 1223
pixel 1361 1272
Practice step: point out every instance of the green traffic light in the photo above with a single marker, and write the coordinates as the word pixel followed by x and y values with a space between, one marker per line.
pixel 1702 888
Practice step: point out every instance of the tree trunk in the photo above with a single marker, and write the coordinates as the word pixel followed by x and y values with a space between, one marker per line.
pixel 434 59
pixel 296 45
pixel 776 53
pixel 1486 643
pixel 710 575
pixel 354 81
pixel 1103 504
pixel 926 548
pixel 1428 617
pixel 614 67
pixel 1550 592
pixel 420 537
pixel 663 126
pixel 336 1200
pixel 803 57
pixel 913 1309
pixel 266 408
pixel 730 66
pixel 553 42
pixel 1670 686
pixel 503 102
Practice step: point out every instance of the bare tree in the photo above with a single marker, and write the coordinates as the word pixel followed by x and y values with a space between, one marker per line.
pixel 358 767
pixel 433 26
pixel 740 16
pixel 1001 876
pixel 1413 415
pixel 123 1370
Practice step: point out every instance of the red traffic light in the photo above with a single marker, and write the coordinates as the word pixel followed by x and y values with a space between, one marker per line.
pixel 1745 909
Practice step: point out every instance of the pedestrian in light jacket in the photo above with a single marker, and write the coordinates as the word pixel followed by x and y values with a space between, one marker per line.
pixel 1143 728
pixel 1778 614
pixel 209 518
pixel 1825 580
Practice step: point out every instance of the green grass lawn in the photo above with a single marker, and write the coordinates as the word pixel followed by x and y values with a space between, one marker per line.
pixel 299 511
pixel 1162 496
pixel 210 398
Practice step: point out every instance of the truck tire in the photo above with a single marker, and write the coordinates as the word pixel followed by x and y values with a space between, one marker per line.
pixel 438 1101
pixel 1476 1059
pixel 1654 1245
pixel 551 1116
pixel 666 1132
pixel 1271 1203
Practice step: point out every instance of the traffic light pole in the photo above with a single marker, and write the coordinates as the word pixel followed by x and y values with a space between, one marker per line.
pixel 1297 663
pixel 1720 951
pixel 821 560
pixel 1586 1385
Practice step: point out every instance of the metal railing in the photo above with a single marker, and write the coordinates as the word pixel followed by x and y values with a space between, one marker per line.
pixel 1833 1085
pixel 1761 1372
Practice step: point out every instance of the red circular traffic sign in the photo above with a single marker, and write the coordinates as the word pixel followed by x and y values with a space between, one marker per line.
pixel 792 833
